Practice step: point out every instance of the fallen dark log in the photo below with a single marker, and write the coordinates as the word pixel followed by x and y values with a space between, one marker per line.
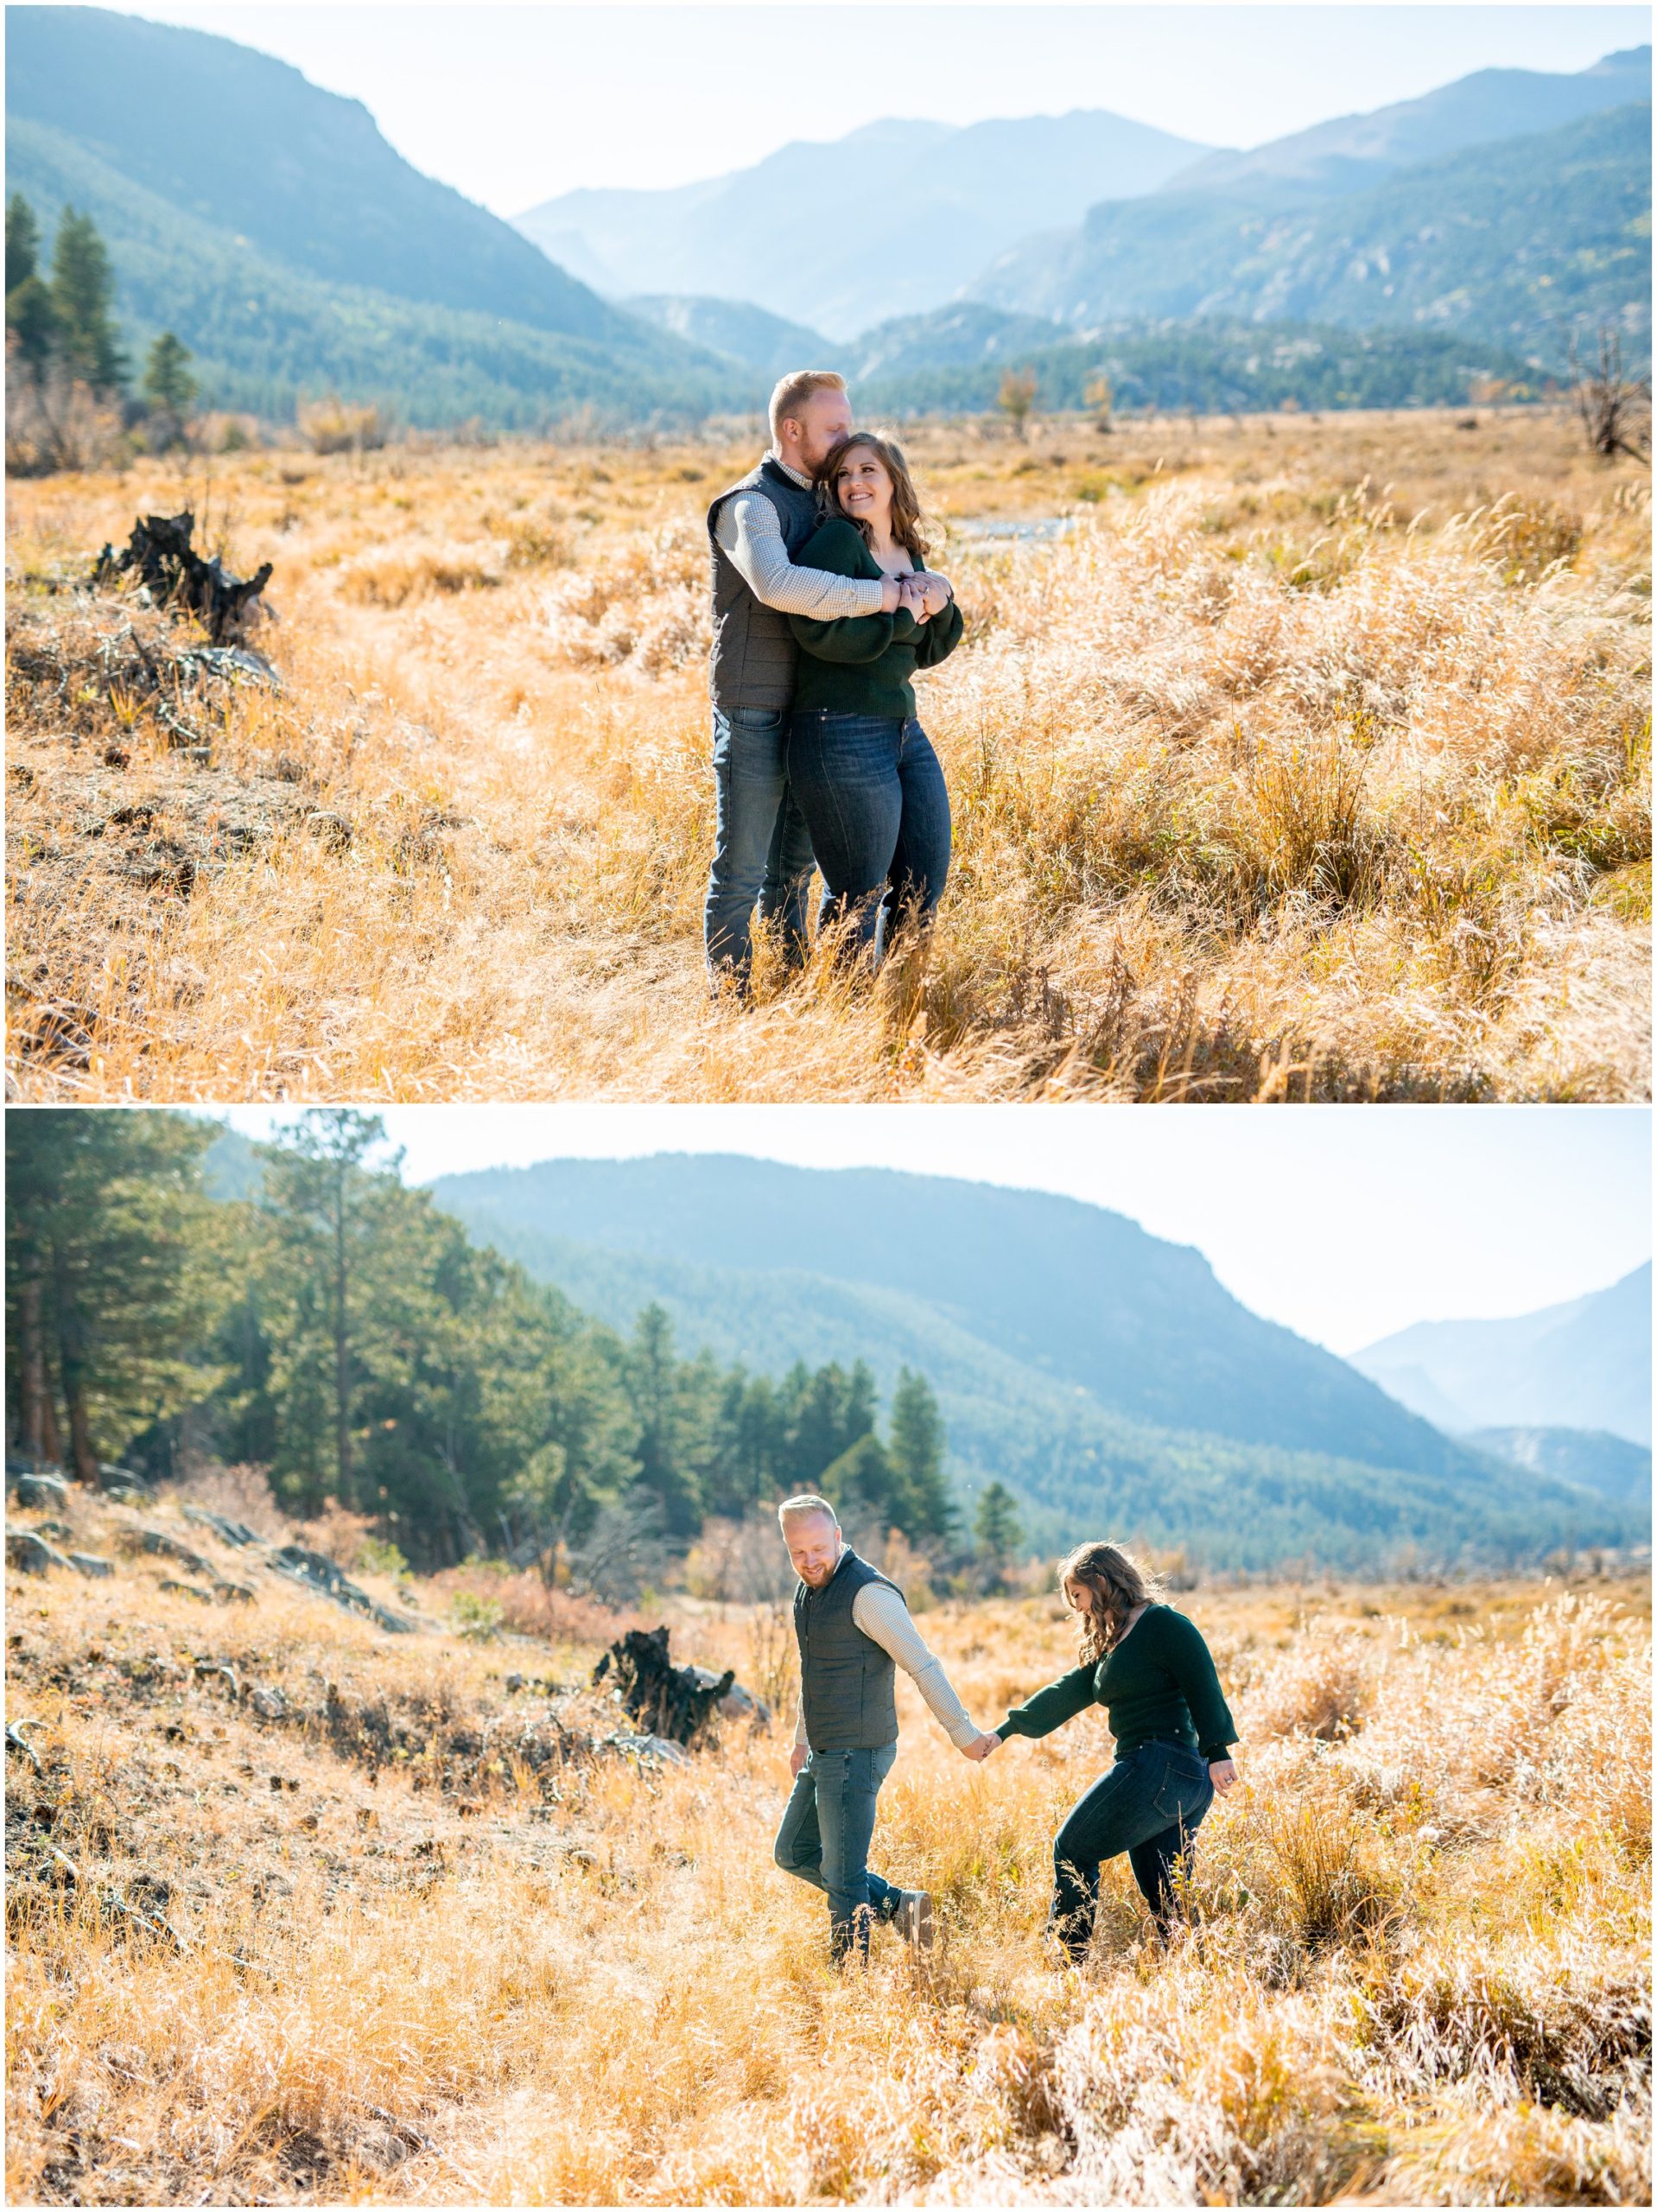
pixel 159 554
pixel 675 1702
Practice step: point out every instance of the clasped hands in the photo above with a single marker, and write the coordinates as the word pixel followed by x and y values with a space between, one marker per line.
pixel 923 597
pixel 982 1746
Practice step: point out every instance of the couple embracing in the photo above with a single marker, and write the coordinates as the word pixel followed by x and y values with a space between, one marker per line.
pixel 1145 1663
pixel 823 609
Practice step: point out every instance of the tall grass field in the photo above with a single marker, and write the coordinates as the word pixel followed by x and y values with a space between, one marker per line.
pixel 301 1911
pixel 1290 758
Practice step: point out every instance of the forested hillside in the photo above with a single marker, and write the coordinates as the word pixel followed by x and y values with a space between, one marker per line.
pixel 1179 367
pixel 337 1329
pixel 269 226
pixel 1519 244
pixel 1102 1374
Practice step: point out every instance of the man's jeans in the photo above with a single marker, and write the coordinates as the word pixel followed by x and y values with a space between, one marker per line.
pixel 1150 1805
pixel 824 1840
pixel 762 848
pixel 878 810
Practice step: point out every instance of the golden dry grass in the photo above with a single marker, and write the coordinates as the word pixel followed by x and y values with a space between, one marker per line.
pixel 1309 760
pixel 1417 1971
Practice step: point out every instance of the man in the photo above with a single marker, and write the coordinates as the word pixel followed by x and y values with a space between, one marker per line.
pixel 854 1630
pixel 761 847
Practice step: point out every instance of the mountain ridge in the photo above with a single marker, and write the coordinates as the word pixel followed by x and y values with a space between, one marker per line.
pixel 1350 152
pixel 246 209
pixel 1584 1364
pixel 736 236
pixel 707 1238
pixel 1508 241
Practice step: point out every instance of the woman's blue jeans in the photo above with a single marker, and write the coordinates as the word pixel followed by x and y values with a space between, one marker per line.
pixel 875 802
pixel 825 1836
pixel 1150 1805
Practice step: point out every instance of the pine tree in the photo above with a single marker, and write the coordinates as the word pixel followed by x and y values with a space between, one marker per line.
pixel 31 318
pixel 114 1277
pixel 83 295
pixel 317 1215
pixel 23 242
pixel 996 1525
pixel 167 385
pixel 666 1468
pixel 916 1452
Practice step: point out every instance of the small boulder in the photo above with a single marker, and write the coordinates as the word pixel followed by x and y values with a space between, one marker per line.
pixel 42 1490
pixel 31 1553
pixel 165 1547
pixel 89 1563
pixel 650 1750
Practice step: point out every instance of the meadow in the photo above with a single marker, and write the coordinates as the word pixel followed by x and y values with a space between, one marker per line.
pixel 373 1918
pixel 1290 757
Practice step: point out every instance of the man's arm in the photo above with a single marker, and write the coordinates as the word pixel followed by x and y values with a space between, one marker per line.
pixel 748 530
pixel 884 1620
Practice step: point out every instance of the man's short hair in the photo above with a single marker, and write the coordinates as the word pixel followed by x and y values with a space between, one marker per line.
pixel 795 390
pixel 796 1509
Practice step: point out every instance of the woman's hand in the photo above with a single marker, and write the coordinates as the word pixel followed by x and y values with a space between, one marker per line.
pixel 934 591
pixel 1223 1774
pixel 914 598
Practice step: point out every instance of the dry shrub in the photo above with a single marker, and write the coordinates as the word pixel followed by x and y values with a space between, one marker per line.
pixel 335 425
pixel 1325 1876
pixel 524 1603
pixel 241 1493
pixel 338 1534
pixel 1319 1687
pixel 643 609
pixel 1526 2153
pixel 1167 2107
pixel 393 575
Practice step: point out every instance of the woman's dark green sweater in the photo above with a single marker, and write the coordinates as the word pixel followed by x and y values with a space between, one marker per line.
pixel 1159 1681
pixel 862 664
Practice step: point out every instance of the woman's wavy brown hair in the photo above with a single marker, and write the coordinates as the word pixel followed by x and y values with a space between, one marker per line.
pixel 1117 1582
pixel 906 528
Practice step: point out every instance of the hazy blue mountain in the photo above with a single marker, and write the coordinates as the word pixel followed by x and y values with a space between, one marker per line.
pixel 965 193
pixel 1356 151
pixel 272 226
pixel 1585 1365
pixel 738 329
pixel 1102 1374
pixel 1588 1457
pixel 1518 242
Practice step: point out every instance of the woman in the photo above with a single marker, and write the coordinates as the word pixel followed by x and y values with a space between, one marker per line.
pixel 860 765
pixel 1150 1669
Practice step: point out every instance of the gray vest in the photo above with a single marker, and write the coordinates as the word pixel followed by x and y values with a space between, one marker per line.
pixel 754 654
pixel 846 1679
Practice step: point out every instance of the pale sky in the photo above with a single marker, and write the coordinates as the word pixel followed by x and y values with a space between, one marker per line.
pixel 513 105
pixel 1344 1223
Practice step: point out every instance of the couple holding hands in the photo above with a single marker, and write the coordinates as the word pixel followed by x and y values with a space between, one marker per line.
pixel 824 610
pixel 1145 1663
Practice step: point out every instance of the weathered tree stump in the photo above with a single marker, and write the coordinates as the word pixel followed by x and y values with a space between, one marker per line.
pixel 159 554
pixel 675 1702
